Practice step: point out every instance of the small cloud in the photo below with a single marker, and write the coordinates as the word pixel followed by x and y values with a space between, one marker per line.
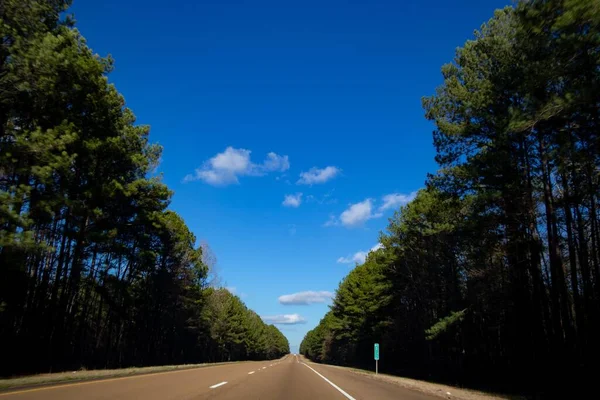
pixel 275 162
pixel 395 200
pixel 292 200
pixel 377 247
pixel 225 168
pixel 357 214
pixel 359 257
pixel 317 175
pixel 284 319
pixel 332 221
pixel 305 298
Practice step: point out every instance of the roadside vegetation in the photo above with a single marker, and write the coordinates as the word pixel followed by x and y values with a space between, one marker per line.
pixel 427 387
pixel 95 270
pixel 85 375
pixel 490 277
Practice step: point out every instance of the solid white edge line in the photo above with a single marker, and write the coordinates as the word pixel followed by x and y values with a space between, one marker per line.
pixel 217 385
pixel 250 373
pixel 339 389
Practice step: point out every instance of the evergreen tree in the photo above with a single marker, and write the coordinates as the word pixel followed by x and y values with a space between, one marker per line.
pixel 95 271
pixel 490 275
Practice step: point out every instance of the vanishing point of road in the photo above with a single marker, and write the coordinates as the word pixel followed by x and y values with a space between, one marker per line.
pixel 287 379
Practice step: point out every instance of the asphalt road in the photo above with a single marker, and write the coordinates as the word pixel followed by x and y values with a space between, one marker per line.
pixel 286 379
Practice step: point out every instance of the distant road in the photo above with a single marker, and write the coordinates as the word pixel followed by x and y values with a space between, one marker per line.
pixel 285 379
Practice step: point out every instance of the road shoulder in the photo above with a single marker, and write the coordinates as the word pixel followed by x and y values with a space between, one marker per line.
pixel 427 388
pixel 34 381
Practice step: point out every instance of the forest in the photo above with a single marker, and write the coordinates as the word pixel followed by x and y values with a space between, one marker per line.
pixel 95 270
pixel 490 277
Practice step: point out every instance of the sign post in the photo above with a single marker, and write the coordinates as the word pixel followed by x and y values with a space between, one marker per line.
pixel 376 358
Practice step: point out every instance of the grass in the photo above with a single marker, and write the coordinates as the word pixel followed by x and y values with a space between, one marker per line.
pixel 77 376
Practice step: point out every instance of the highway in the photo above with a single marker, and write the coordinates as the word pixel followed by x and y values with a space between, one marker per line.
pixel 287 379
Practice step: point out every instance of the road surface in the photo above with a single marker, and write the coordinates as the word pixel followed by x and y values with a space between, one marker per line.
pixel 286 379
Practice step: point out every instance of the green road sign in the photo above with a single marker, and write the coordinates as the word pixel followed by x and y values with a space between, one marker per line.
pixel 376 351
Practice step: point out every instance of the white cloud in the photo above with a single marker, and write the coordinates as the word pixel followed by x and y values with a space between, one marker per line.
pixel 234 160
pixel 305 298
pixel 225 168
pixel 332 221
pixel 292 200
pixel 357 214
pixel 317 175
pixel 359 257
pixel 395 200
pixel 377 247
pixel 275 162
pixel 284 319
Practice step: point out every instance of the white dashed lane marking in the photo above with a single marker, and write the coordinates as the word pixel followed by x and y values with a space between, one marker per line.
pixel 217 385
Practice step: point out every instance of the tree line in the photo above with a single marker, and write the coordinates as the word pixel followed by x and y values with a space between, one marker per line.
pixel 95 270
pixel 491 275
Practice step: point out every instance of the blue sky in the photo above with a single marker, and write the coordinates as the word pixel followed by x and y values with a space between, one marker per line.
pixel 254 101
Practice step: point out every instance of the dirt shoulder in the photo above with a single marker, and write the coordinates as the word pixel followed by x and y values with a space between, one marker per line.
pixel 75 376
pixel 435 389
